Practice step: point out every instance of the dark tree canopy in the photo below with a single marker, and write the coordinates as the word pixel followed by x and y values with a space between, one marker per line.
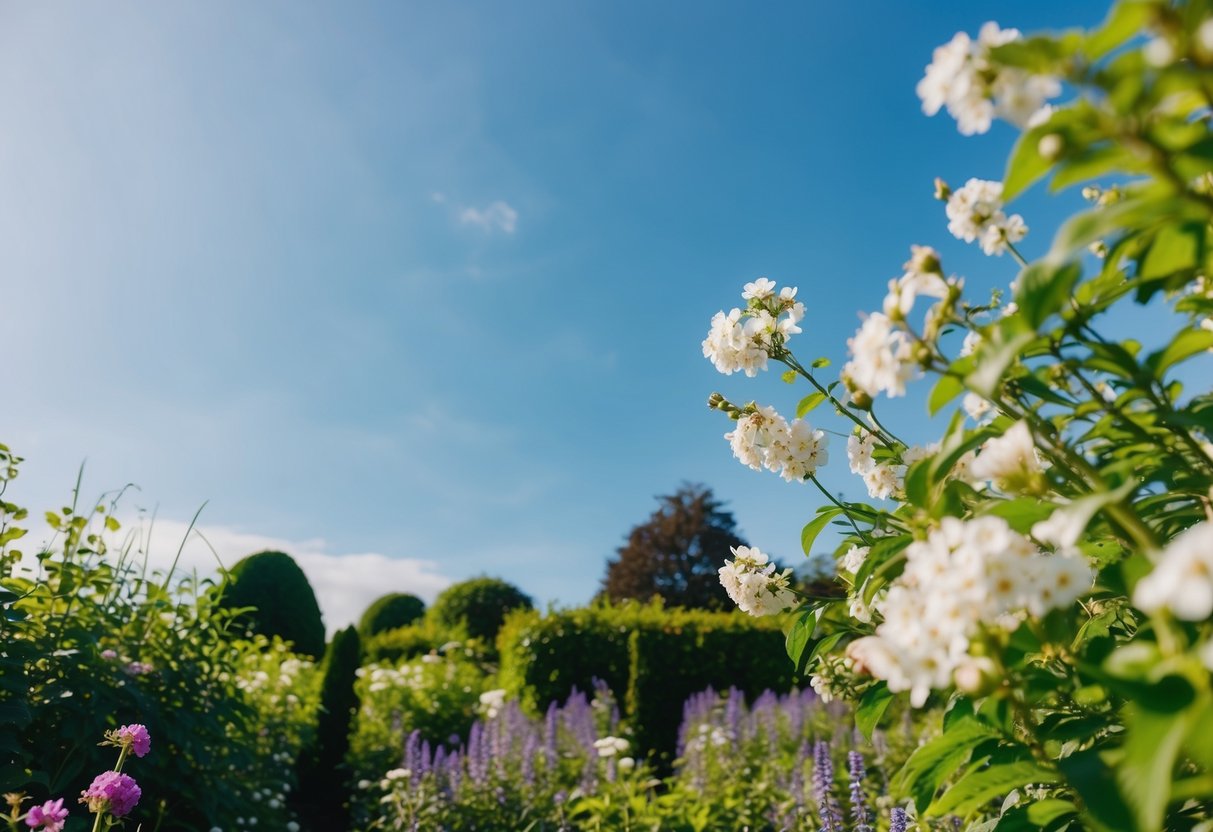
pixel 282 599
pixel 676 553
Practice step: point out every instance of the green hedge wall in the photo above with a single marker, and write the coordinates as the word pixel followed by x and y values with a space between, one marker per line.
pixel 651 657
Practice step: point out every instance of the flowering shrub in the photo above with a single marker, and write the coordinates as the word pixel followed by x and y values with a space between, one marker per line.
pixel 92 638
pixel 437 696
pixel 1045 569
pixel 786 763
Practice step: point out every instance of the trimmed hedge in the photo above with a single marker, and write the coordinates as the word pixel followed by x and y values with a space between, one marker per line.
pixel 652 658
pixel 398 609
pixel 324 792
pixel 278 599
pixel 477 607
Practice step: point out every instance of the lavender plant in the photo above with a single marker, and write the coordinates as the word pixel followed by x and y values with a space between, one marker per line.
pixel 1045 569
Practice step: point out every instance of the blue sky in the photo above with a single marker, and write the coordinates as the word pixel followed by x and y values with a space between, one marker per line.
pixel 428 281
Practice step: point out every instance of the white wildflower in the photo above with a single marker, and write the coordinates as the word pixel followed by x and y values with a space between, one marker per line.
pixel 491 703
pixel 963 79
pixel 881 357
pixel 611 746
pixel 975 213
pixel 753 584
pixel 1009 460
pixel 1182 580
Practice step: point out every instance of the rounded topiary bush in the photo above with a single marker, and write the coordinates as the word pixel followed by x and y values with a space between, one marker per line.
pixel 282 600
pixel 478 606
pixel 398 609
pixel 324 790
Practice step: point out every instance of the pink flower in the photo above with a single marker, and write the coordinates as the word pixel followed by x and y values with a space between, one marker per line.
pixel 109 655
pixel 112 792
pixel 136 738
pixel 48 817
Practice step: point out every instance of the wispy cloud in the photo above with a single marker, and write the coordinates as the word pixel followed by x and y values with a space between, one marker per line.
pixel 499 216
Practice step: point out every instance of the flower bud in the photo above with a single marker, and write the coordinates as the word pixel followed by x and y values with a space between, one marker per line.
pixel 715 401
pixel 942 192
pixel 1050 146
pixel 976 677
pixel 924 260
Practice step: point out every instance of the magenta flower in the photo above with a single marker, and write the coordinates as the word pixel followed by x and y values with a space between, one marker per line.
pixel 112 792
pixel 136 738
pixel 49 817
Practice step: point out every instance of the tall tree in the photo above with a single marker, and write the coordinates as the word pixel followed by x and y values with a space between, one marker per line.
pixel 676 553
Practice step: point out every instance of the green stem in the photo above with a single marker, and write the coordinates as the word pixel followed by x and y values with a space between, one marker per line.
pixel 845 510
pixel 785 357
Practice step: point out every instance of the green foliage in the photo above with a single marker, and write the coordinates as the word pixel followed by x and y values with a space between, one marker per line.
pixel 276 599
pixel 652 657
pixel 437 695
pixel 94 640
pixel 1086 699
pixel 323 780
pixel 476 608
pixel 416 639
pixel 398 609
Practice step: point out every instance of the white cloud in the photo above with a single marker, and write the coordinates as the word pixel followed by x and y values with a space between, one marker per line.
pixel 499 215
pixel 345 583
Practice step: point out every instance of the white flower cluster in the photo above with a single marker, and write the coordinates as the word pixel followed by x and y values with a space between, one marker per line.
pixel 753 584
pixel 1183 579
pixel 387 677
pixel 975 212
pixel 743 339
pixel 966 574
pixel 962 78
pixel 491 703
pixel 882 357
pixel 923 276
pixel 708 736
pixel 1010 461
pixel 611 746
pixel 883 479
pixel 764 439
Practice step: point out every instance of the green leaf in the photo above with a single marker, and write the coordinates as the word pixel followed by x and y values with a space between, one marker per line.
pixel 808 403
pixel 947 388
pixel 1044 289
pixel 814 527
pixel 819 363
pixel 799 637
pixel 1151 749
pixel 872 706
pixel 788 377
pixel 978 787
pixel 1175 248
pixel 1186 344
pixel 1044 812
pixel 931 764
pixel 1006 342
pixel 1125 21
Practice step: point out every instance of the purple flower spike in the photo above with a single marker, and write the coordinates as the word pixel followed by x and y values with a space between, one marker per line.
pixel 898 820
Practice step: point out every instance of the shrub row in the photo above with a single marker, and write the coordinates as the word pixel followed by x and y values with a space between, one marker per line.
pixel 652 658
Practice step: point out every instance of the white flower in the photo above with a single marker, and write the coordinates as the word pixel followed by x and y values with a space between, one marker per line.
pixel 397 774
pixel 964 574
pixel 626 764
pixel 922 277
pixel 610 746
pixel 976 406
pixel 753 435
pixel 853 560
pixel 1063 527
pixel 859 451
pixel 732 348
pixel 1182 580
pixel 881 357
pixel 881 481
pixel 760 289
pixel 975 213
pixel 962 78
pixel 971 342
pixel 799 452
pixel 491 702
pixel 1008 459
pixel 753 584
